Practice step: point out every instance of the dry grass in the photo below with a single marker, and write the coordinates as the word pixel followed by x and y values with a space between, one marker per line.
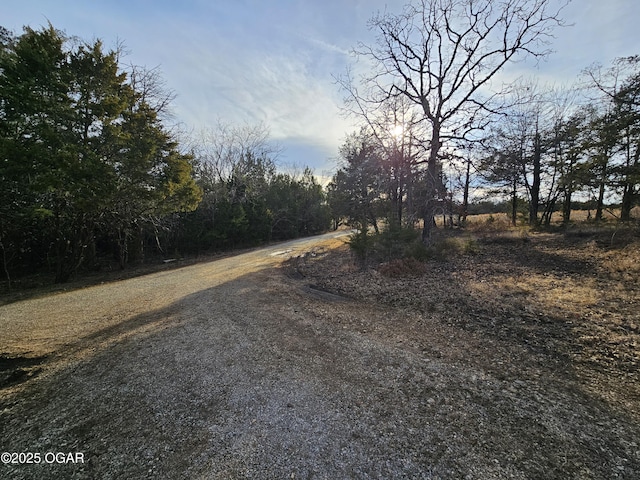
pixel 574 296
pixel 518 361
pixel 577 216
pixel 555 318
pixel 623 264
pixel 402 267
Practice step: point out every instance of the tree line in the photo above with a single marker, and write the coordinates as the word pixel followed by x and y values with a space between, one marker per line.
pixel 562 145
pixel 91 173
pixel 437 122
pixel 246 200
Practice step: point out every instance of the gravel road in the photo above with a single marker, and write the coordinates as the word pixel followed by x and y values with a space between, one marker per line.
pixel 219 370
pixel 45 325
pixel 238 369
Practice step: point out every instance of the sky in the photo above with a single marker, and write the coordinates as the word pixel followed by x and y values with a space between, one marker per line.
pixel 273 62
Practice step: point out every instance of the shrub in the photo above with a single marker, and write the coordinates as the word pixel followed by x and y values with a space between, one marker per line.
pixel 418 251
pixel 361 244
pixel 394 241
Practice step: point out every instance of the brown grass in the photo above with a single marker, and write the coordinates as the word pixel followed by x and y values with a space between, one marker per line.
pixel 577 216
pixel 402 267
pixel 574 295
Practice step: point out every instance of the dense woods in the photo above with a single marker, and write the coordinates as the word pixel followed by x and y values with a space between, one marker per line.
pixel 92 175
pixel 246 200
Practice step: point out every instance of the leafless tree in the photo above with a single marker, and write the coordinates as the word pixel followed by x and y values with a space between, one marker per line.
pixel 225 150
pixel 224 147
pixel 151 89
pixel 443 56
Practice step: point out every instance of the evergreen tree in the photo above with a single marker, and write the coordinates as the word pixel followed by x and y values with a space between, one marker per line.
pixel 81 155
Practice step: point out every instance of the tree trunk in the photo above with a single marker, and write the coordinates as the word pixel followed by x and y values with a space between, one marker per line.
pixel 374 223
pixel 627 203
pixel 534 204
pixel 566 207
pixel 465 197
pixel 548 211
pixel 70 256
pixel 135 245
pixel 123 254
pixel 514 202
pixel 5 264
pixel 629 186
pixel 431 187
pixel 600 204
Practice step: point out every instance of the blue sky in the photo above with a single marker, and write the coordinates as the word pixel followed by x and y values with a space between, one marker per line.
pixel 272 61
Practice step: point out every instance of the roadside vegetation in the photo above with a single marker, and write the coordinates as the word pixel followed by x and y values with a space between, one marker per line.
pixel 95 176
pixel 570 297
pixel 481 320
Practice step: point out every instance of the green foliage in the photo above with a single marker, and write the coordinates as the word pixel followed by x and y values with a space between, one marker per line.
pixel 396 241
pixel 245 201
pixel 84 159
pixel 418 250
pixel 355 192
pixel 392 243
pixel 402 252
pixel 362 244
pixel 296 207
pixel 452 246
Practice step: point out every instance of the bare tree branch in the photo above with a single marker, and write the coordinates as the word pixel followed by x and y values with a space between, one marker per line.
pixel 441 55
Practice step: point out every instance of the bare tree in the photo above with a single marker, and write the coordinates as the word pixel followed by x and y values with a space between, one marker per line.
pixel 223 148
pixel 228 155
pixel 442 55
pixel 151 89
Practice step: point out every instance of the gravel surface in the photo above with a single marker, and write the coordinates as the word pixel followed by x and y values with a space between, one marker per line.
pixel 249 368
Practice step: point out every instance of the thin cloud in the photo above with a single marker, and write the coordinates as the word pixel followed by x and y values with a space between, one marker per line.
pixel 250 61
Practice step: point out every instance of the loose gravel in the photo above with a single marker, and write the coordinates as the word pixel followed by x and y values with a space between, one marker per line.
pixel 249 368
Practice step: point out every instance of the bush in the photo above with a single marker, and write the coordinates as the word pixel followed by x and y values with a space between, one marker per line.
pixel 418 251
pixel 392 243
pixel 405 243
pixel 395 240
pixel 450 246
pixel 361 244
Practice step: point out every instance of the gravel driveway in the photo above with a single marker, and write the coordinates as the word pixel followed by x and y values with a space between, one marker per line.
pixel 234 369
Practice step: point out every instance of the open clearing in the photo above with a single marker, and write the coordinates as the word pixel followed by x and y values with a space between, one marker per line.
pixel 511 358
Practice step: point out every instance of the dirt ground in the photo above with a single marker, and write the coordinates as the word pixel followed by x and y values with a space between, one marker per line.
pixel 507 356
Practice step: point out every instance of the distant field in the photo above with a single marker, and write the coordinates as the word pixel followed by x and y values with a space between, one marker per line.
pixel 576 216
